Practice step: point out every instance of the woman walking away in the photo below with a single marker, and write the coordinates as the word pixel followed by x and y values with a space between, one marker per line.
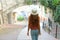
pixel 34 25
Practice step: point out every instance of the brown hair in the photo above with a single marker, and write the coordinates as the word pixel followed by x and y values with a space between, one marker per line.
pixel 34 20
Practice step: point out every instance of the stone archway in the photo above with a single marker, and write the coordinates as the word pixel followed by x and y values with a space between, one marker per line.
pixel 11 17
pixel 1 19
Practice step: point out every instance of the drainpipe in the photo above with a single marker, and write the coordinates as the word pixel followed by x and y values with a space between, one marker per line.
pixel 56 31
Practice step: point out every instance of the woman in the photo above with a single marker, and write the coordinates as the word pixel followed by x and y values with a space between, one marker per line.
pixel 34 25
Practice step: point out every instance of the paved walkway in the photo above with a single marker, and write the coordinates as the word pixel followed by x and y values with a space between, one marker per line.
pixel 10 31
pixel 14 32
pixel 44 35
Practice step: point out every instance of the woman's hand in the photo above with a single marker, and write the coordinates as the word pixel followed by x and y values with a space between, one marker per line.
pixel 28 33
pixel 39 33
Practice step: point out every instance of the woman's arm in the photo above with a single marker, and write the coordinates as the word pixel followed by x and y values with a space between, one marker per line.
pixel 28 30
pixel 39 26
pixel 28 23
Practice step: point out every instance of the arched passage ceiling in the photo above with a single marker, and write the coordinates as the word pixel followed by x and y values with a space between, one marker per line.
pixel 9 4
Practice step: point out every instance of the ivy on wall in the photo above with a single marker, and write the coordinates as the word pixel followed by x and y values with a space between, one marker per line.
pixel 55 6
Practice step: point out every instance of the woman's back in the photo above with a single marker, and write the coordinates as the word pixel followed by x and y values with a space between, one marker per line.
pixel 34 21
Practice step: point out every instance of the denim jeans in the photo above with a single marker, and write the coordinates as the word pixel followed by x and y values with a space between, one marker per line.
pixel 34 34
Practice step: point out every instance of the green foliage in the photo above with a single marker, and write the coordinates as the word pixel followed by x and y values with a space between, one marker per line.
pixel 55 6
pixel 57 14
pixel 55 2
pixel 28 2
pixel 48 3
pixel 43 2
pixel 20 18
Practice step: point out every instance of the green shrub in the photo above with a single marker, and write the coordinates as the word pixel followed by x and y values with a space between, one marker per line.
pixel 20 18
